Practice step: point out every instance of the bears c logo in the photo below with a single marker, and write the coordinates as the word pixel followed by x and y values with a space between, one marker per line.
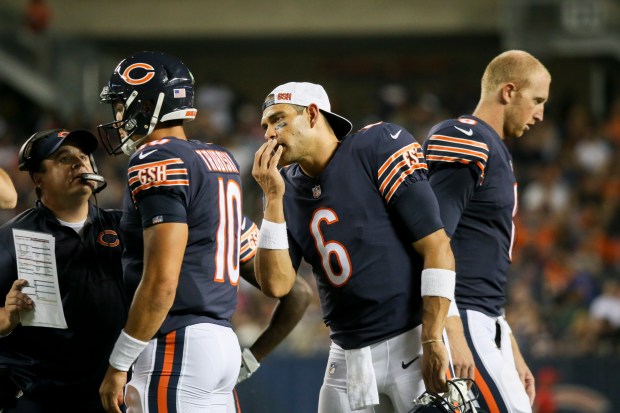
pixel 150 72
pixel 108 238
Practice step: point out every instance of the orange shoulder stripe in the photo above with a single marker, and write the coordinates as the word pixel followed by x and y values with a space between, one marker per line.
pixel 152 164
pixel 392 158
pixel 462 141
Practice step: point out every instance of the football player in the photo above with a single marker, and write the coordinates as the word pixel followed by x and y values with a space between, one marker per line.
pixel 471 174
pixel 182 226
pixel 286 315
pixel 359 209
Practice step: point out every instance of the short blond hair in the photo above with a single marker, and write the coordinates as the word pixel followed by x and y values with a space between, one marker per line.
pixel 515 66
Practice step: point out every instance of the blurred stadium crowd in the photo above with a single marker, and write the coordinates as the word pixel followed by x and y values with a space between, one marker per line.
pixel 564 293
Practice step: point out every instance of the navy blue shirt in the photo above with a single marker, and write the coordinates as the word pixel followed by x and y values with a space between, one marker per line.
pixel 471 173
pixel 344 224
pixel 249 240
pixel 54 365
pixel 173 180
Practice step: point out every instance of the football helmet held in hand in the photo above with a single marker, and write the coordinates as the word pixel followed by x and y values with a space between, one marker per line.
pixel 457 399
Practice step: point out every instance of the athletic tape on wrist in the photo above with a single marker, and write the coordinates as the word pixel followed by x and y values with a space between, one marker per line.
pixel 272 236
pixel 126 351
pixel 453 310
pixel 438 282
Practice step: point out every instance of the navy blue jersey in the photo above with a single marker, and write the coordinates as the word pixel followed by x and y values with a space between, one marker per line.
pixel 249 240
pixel 173 180
pixel 471 173
pixel 344 224
pixel 54 364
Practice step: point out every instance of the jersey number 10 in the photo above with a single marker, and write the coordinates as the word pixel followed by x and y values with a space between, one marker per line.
pixel 228 232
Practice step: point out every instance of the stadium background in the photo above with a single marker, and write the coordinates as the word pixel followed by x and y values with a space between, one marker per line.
pixel 404 61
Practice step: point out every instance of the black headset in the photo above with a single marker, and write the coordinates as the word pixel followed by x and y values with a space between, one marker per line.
pixel 25 153
pixel 25 159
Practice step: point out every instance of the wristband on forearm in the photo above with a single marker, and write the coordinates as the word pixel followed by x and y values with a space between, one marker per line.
pixel 438 282
pixel 272 236
pixel 126 351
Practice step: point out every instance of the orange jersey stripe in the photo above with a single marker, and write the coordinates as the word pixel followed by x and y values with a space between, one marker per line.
pixel 396 170
pixel 244 248
pixel 168 172
pixel 162 389
pixel 237 404
pixel 249 256
pixel 400 181
pixel 459 140
pixel 445 158
pixel 152 164
pixel 453 159
pixel 249 233
pixel 176 171
pixel 392 158
pixel 486 392
pixel 457 150
pixel 164 183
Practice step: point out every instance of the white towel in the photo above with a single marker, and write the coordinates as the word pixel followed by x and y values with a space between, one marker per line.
pixel 361 381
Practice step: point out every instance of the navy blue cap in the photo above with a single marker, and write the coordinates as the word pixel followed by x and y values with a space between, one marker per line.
pixel 43 144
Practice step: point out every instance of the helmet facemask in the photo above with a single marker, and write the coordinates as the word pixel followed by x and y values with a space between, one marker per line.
pixel 458 399
pixel 145 90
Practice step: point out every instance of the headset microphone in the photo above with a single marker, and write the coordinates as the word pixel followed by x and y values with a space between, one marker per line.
pixel 95 178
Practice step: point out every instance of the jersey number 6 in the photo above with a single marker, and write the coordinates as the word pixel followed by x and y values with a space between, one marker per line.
pixel 339 276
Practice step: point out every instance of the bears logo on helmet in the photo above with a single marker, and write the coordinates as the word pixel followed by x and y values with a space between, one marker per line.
pixel 458 399
pixel 145 89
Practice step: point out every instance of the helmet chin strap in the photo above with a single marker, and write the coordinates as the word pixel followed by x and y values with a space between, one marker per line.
pixel 130 146
pixel 156 111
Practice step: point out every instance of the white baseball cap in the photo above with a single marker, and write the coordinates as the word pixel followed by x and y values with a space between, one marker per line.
pixel 304 94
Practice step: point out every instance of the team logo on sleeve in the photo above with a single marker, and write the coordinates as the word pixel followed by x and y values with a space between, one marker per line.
pixel 397 167
pixel 168 172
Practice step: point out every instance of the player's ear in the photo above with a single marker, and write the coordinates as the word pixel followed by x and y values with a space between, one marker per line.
pixel 507 92
pixel 36 178
pixel 313 114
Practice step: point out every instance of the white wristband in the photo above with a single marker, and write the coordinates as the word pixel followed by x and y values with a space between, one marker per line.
pixel 126 351
pixel 453 310
pixel 272 236
pixel 438 282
